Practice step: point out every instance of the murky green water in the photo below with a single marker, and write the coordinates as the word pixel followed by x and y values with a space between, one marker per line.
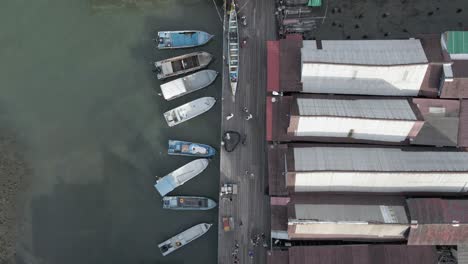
pixel 77 85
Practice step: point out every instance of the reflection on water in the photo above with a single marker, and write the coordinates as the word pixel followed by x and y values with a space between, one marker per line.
pixel 77 83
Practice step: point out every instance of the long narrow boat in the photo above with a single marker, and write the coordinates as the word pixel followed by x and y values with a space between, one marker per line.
pixel 182 239
pixel 233 44
pixel 185 148
pixel 188 84
pixel 189 110
pixel 182 64
pixel 180 176
pixel 182 39
pixel 188 203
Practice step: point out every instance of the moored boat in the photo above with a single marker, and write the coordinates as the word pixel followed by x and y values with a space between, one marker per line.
pixel 189 110
pixel 182 39
pixel 184 148
pixel 182 64
pixel 180 176
pixel 182 239
pixel 188 84
pixel 233 45
pixel 188 203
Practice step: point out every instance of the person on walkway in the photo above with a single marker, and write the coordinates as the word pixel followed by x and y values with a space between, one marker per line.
pixel 229 116
pixel 249 117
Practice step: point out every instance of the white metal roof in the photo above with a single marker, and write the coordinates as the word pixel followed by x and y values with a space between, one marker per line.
pixel 351 213
pixel 377 159
pixel 369 52
pixel 401 80
pixel 366 108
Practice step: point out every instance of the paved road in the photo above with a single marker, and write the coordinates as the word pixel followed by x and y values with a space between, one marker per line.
pixel 251 205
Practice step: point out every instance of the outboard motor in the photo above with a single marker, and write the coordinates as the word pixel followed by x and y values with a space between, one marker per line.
pixel 244 20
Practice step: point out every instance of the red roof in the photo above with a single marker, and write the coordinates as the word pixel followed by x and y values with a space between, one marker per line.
pixel 278 257
pixel 438 211
pixel 273 70
pixel 438 221
pixel 438 234
pixel 363 254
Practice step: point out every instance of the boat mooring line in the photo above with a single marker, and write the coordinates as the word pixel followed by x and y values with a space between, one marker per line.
pixel 219 14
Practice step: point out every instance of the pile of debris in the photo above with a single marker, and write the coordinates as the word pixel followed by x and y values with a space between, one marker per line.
pixel 299 16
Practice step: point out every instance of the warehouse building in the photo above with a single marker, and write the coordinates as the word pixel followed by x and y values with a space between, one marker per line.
pixel 358 168
pixel 356 254
pixel 364 119
pixel 411 67
pixel 339 217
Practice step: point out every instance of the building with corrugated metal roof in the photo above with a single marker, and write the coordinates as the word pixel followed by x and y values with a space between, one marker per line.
pixel 355 254
pixel 411 67
pixel 456 44
pixel 436 221
pixel 367 119
pixel 360 168
pixel 339 217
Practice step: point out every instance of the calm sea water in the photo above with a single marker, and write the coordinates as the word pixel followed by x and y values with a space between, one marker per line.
pixel 77 85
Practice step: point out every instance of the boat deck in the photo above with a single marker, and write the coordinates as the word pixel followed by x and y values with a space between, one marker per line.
pixel 184 39
pixel 187 63
pixel 251 204
pixel 192 202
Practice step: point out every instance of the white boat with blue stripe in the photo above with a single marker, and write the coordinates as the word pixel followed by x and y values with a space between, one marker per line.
pixel 182 39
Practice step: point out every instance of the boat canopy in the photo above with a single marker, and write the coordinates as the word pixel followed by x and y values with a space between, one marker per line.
pixel 165 185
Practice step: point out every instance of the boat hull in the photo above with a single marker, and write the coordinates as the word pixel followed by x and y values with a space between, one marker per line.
pixel 182 39
pixel 188 84
pixel 180 176
pixel 189 110
pixel 183 148
pixel 233 48
pixel 182 64
pixel 184 238
pixel 190 203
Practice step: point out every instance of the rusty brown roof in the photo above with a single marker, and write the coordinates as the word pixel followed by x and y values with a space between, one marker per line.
pixel 278 257
pixel 363 254
pixel 433 48
pixel 460 68
pixel 290 63
pixel 438 234
pixel 276 168
pixel 279 218
pixel 438 221
pixel 438 211
pixel 458 87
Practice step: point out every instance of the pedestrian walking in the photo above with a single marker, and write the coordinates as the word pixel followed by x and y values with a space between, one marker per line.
pixel 245 109
pixel 249 117
pixel 229 116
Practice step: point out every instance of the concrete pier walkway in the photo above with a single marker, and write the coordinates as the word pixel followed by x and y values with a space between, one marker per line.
pixel 246 164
